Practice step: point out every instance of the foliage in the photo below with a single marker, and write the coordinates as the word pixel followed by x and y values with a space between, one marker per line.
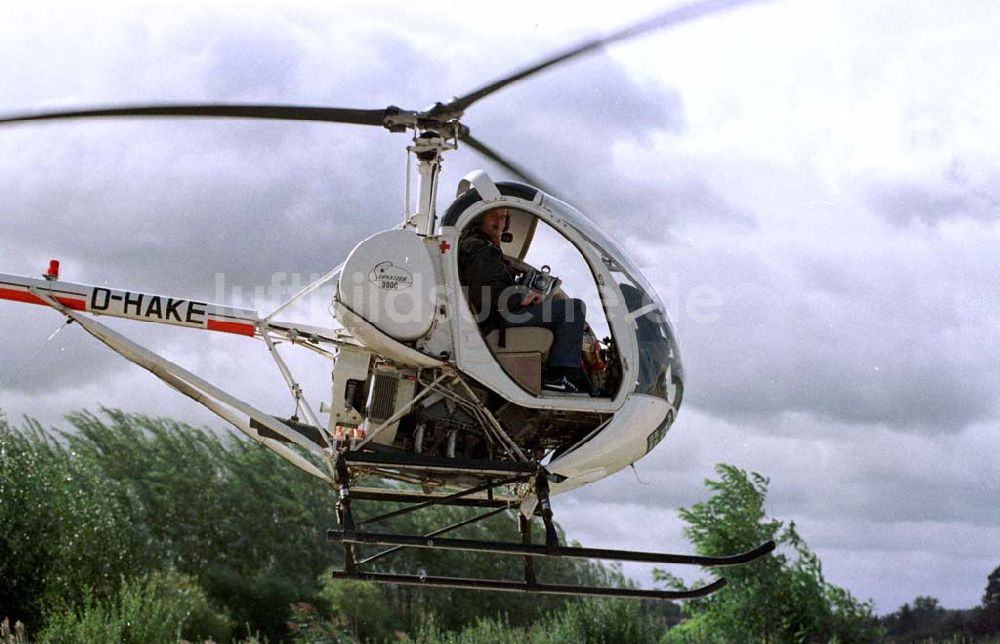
pixel 207 499
pixel 228 511
pixel 124 495
pixel 926 620
pixel 989 617
pixel 64 526
pixel 358 606
pixel 579 621
pixel 309 626
pixel 991 596
pixel 783 597
pixel 259 604
pixel 161 607
pixel 133 494
pixel 597 621
pixel 135 527
pixel 345 611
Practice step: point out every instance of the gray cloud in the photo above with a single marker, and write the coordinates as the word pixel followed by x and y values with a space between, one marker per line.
pixel 868 335
pixel 907 204
pixel 30 362
pixel 563 124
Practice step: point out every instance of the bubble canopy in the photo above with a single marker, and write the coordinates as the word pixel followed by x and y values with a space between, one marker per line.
pixel 632 306
pixel 661 371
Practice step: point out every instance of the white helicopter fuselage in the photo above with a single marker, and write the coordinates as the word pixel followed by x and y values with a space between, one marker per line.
pixel 400 294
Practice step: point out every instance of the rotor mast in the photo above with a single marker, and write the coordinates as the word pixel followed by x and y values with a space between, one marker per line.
pixel 427 147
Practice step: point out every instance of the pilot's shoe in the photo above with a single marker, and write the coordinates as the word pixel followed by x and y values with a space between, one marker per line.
pixel 560 382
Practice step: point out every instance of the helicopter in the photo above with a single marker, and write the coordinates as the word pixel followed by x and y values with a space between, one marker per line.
pixel 420 396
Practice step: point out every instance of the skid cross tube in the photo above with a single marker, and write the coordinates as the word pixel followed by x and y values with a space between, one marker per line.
pixel 415 496
pixel 414 541
pixel 423 464
pixel 523 587
pixel 443 500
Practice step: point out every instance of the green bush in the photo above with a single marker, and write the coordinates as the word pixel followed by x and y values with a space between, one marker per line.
pixel 207 499
pixel 591 621
pixel 122 495
pixel 779 598
pixel 601 621
pixel 159 608
pixel 64 525
pixel 259 604
pixel 359 606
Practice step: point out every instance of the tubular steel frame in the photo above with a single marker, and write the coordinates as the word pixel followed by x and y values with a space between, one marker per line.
pixel 350 534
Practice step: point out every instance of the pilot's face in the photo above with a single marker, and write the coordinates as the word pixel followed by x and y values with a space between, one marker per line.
pixel 493 223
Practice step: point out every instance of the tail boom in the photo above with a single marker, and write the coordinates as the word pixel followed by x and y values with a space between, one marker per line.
pixel 131 305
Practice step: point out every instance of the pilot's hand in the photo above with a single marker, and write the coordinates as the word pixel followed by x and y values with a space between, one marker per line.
pixel 531 298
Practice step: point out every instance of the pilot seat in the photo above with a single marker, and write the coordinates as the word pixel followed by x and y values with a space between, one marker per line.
pixel 522 351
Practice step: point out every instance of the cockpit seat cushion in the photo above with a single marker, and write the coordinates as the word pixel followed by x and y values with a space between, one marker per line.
pixel 522 339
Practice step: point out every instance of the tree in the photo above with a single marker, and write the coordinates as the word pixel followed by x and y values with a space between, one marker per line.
pixel 120 496
pixel 991 598
pixel 989 614
pixel 64 526
pixel 162 606
pixel 925 619
pixel 779 598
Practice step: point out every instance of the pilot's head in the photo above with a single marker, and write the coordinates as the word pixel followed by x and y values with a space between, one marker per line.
pixel 493 223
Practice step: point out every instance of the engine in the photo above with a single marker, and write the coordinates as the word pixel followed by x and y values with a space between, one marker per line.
pixel 400 410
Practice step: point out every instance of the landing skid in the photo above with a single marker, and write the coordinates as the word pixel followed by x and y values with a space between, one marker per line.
pixel 351 537
pixel 525 587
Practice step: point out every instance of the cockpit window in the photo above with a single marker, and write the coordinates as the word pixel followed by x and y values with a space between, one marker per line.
pixel 660 370
pixel 549 248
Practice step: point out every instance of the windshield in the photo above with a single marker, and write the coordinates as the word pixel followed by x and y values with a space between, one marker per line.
pixel 661 372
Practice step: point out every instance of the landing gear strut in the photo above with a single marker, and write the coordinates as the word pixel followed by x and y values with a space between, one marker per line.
pixel 483 496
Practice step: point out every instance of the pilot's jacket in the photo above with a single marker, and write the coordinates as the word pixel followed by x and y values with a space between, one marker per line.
pixel 488 280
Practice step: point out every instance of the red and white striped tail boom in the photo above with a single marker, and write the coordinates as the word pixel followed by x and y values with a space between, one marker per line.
pixel 132 305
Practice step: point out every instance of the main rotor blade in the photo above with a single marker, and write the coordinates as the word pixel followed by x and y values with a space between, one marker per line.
pixel 487 152
pixel 674 16
pixel 279 112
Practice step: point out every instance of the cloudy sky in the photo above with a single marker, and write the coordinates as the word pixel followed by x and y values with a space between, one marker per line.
pixel 811 185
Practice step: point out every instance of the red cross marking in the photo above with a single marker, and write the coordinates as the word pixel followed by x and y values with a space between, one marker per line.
pixel 444 246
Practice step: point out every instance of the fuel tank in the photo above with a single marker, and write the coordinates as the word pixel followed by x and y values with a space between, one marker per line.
pixel 391 280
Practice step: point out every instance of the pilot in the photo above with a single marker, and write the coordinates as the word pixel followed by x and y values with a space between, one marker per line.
pixel 498 303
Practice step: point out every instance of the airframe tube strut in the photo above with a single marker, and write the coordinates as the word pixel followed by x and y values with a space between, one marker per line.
pixel 306 291
pixel 293 386
pixel 443 500
pixel 453 526
pixel 214 399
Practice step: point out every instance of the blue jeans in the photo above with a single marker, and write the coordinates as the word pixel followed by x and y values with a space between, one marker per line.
pixel 565 318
